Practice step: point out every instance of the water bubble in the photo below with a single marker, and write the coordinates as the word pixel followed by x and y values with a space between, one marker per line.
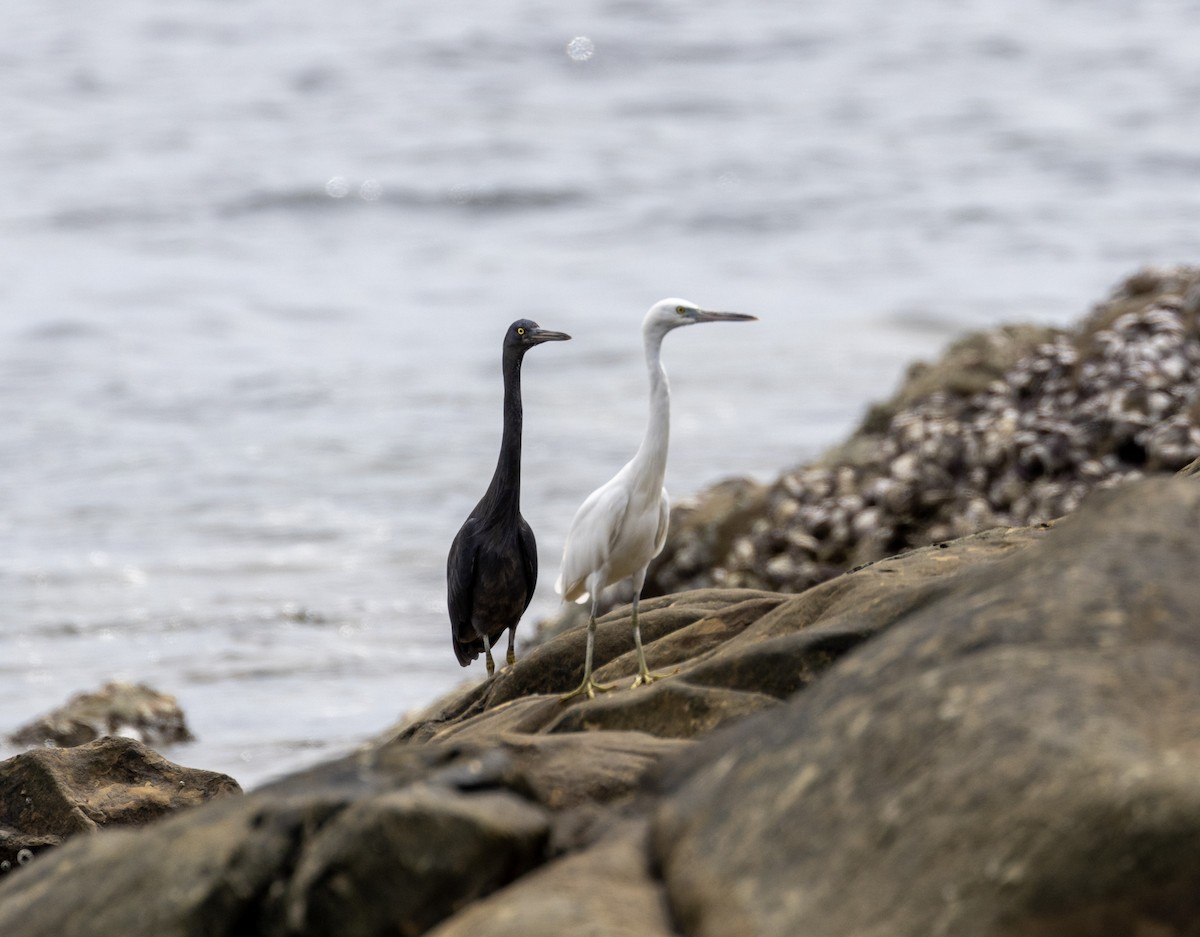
pixel 338 187
pixel 370 191
pixel 5 866
pixel 24 857
pixel 581 48
pixel 728 181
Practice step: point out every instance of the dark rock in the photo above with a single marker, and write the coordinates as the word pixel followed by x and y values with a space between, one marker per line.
pixel 402 861
pixel 1017 755
pixel 390 840
pixel 132 710
pixel 674 628
pixel 668 708
pixel 609 890
pixel 50 794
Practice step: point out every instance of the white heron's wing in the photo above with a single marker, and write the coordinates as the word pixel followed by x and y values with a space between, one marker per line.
pixel 590 540
pixel 664 519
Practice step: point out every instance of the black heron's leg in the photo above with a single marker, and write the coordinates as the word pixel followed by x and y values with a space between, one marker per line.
pixel 487 650
pixel 512 635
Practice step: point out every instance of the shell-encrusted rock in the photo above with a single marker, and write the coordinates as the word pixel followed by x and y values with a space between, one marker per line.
pixel 1012 427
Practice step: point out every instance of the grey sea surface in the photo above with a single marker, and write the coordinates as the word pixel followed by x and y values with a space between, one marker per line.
pixel 258 258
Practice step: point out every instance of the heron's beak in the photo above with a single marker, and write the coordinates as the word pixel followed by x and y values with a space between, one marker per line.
pixel 537 336
pixel 704 315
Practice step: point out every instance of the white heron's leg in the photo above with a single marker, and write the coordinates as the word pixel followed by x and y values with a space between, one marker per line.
pixel 589 686
pixel 510 656
pixel 644 677
pixel 487 651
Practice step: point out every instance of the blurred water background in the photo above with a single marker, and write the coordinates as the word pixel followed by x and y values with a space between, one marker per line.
pixel 258 257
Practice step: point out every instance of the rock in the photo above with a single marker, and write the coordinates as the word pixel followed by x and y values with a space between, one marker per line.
pixel 50 794
pixel 400 862
pixel 1017 755
pixel 1011 427
pixel 609 890
pixel 132 710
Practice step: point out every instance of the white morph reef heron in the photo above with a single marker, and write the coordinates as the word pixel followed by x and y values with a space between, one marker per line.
pixel 492 567
pixel 622 525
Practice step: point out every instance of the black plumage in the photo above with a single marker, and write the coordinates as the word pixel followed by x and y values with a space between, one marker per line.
pixel 492 567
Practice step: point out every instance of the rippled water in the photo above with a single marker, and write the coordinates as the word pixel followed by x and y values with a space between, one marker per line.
pixel 258 259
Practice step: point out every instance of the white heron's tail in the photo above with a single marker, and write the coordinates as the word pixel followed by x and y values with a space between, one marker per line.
pixel 576 593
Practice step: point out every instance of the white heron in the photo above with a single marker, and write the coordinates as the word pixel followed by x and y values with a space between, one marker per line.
pixel 622 525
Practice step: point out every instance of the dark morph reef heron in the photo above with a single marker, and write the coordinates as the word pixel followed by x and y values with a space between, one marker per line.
pixel 622 525
pixel 492 567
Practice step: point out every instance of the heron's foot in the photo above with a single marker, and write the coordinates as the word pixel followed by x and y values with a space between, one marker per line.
pixel 646 677
pixel 511 657
pixel 589 687
pixel 491 665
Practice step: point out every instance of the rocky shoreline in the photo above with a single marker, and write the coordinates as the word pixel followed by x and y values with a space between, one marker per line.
pixel 985 722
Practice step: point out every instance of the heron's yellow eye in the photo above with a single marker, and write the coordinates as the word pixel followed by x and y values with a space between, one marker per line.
pixel 521 331
pixel 680 309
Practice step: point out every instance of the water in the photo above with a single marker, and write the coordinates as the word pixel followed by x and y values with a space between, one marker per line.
pixel 258 259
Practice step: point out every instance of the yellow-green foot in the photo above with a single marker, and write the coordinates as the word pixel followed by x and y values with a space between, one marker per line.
pixel 646 677
pixel 589 687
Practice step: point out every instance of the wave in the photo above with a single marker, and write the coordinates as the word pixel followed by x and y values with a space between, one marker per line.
pixel 348 195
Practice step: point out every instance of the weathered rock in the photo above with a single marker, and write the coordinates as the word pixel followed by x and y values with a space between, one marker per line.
pixel 402 861
pixel 609 890
pixel 50 794
pixel 388 841
pixel 132 710
pixel 674 629
pixel 1018 755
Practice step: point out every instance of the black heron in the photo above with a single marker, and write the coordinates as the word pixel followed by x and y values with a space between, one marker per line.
pixel 492 567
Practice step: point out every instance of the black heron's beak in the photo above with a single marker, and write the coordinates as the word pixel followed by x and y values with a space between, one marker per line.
pixel 539 335
pixel 704 315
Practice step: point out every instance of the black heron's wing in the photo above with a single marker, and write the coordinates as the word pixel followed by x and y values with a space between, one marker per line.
pixel 529 558
pixel 460 591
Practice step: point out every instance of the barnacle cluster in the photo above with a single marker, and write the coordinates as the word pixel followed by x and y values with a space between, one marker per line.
pixel 1015 428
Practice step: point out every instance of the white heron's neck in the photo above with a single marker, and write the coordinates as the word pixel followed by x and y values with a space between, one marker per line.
pixel 651 458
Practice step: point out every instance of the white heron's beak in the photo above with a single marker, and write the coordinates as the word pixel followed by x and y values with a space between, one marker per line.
pixel 704 315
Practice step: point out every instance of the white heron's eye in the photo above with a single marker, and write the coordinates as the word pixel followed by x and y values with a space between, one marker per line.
pixel 521 331
pixel 681 310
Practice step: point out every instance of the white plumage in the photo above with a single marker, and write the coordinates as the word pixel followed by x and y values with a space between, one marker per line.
pixel 622 525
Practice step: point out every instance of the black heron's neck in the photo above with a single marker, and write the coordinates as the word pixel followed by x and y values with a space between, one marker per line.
pixel 504 493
